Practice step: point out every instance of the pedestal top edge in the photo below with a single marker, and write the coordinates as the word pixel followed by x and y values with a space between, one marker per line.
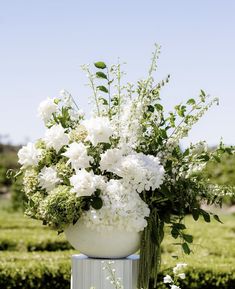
pixel 84 257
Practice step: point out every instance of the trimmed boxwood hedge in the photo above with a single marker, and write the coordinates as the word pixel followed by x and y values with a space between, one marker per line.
pixel 52 270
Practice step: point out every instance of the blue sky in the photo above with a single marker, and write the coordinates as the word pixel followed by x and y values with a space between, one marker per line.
pixel 44 42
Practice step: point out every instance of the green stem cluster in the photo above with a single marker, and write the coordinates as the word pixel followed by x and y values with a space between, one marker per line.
pixel 150 251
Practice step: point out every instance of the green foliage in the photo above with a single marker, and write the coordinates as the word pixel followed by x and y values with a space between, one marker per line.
pixel 222 173
pixel 32 270
pixel 61 207
pixel 8 160
pixel 18 196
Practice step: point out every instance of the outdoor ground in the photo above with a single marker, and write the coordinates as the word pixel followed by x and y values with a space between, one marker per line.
pixel 29 250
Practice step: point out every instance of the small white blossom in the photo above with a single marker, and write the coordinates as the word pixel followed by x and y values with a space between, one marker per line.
pixel 179 267
pixel 77 155
pixel 56 137
pixel 99 130
pixel 47 108
pixel 181 275
pixel 48 178
pixel 174 287
pixel 83 183
pixel 29 155
pixel 167 279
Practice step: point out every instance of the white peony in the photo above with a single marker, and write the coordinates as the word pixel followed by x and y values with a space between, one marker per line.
pixel 167 279
pixel 83 183
pixel 99 130
pixel 48 178
pixel 77 155
pixel 29 155
pixel 109 159
pixel 56 137
pixel 47 108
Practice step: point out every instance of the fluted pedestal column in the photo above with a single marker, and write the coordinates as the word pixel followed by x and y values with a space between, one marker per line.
pixel 90 273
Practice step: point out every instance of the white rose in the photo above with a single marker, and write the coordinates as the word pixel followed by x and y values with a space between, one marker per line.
pixel 99 130
pixel 48 178
pixel 47 108
pixel 28 155
pixel 56 137
pixel 83 183
pixel 77 155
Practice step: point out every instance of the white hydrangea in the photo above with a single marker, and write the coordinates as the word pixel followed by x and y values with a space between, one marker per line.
pixel 99 130
pixel 48 178
pixel 77 155
pixel 29 155
pixel 122 209
pixel 110 159
pixel 56 137
pixel 142 172
pixel 83 183
pixel 47 108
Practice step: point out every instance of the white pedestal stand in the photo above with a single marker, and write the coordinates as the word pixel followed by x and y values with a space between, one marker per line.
pixel 92 273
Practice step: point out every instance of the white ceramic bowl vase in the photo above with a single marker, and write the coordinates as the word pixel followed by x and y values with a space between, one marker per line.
pixel 102 244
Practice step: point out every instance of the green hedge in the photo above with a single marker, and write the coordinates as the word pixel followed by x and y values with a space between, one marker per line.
pixel 52 270
pixel 34 271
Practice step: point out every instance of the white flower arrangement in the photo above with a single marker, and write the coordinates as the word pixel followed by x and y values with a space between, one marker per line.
pixel 123 167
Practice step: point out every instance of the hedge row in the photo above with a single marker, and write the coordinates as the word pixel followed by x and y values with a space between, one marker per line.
pixel 52 270
pixel 32 240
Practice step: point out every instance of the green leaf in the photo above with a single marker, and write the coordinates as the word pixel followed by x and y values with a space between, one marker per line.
pixel 204 157
pixel 196 214
pixel 100 65
pixel 206 216
pixel 96 203
pixel 150 108
pixel 187 238
pixel 102 88
pixel 100 74
pixel 180 226
pixel 104 101
pixel 203 93
pixel 186 248
pixel 163 133
pixel 191 101
pixel 216 217
pixel 186 152
pixel 158 106
pixel 174 233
